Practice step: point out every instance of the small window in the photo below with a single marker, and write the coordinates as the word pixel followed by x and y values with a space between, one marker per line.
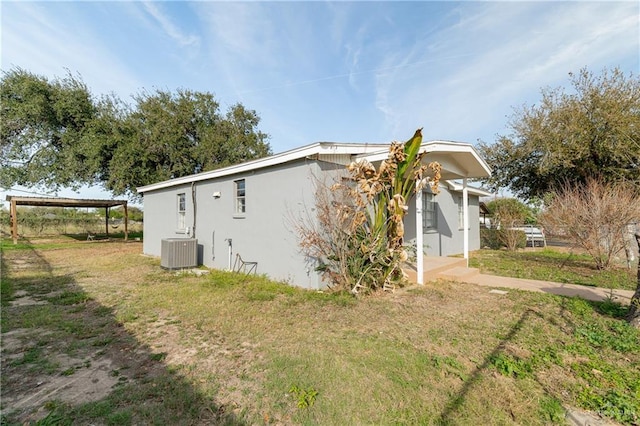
pixel 182 211
pixel 429 211
pixel 460 213
pixel 241 206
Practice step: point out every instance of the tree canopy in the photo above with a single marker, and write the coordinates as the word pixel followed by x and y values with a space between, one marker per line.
pixel 55 134
pixel 513 208
pixel 568 138
pixel 42 123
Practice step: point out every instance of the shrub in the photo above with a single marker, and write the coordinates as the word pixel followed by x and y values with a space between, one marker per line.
pixel 595 217
pixel 495 239
pixel 489 238
pixel 509 213
pixel 513 238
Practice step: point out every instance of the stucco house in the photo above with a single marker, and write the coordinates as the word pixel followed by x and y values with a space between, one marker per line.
pixel 247 208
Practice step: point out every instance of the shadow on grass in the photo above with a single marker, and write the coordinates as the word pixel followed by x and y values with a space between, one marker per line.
pixel 68 359
pixel 569 307
pixel 99 236
pixel 456 403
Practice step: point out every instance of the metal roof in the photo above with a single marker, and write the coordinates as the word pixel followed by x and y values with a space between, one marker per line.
pixel 63 202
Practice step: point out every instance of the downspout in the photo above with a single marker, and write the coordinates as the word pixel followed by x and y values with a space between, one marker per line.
pixel 195 209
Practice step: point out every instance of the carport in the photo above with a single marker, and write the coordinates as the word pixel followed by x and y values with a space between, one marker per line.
pixel 63 202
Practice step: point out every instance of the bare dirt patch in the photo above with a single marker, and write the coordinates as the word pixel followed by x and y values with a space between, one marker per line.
pixel 64 340
pixel 90 381
pixel 58 353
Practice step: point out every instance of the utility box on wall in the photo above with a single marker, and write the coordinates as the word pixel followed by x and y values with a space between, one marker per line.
pixel 177 253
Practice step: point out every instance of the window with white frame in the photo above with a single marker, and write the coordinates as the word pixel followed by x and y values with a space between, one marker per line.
pixel 241 205
pixel 429 211
pixel 460 213
pixel 182 211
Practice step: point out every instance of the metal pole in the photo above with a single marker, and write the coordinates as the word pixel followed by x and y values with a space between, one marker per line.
pixel 419 236
pixel 126 222
pixel 106 221
pixel 465 222
pixel 14 221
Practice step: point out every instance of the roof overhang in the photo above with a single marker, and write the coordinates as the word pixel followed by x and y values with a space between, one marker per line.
pixel 307 151
pixel 458 187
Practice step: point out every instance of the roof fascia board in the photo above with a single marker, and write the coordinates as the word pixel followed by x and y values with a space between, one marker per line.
pixel 446 146
pixel 456 187
pixel 273 160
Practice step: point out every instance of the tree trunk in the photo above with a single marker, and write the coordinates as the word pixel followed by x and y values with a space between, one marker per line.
pixel 633 316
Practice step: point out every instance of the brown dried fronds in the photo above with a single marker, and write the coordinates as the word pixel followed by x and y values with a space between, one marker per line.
pixel 396 153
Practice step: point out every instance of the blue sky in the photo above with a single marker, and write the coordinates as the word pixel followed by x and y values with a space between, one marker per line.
pixel 330 71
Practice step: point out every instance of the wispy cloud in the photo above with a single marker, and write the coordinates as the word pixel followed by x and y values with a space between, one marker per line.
pixel 47 43
pixel 168 26
pixel 517 49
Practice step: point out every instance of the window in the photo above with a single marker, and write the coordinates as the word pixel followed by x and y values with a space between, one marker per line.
pixel 241 206
pixel 460 213
pixel 182 211
pixel 429 211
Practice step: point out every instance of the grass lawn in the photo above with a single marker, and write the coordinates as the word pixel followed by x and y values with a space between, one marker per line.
pixel 223 348
pixel 552 265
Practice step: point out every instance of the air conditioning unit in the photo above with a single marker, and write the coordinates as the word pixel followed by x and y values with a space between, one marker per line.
pixel 177 253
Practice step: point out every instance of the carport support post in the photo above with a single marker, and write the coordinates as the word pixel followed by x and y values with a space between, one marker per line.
pixel 126 222
pixel 13 215
pixel 106 221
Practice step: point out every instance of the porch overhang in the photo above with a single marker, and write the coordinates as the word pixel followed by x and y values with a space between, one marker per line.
pixel 459 161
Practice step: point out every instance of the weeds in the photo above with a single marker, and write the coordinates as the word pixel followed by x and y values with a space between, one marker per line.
pixel 159 356
pixel 305 397
pixel 613 404
pixel 69 298
pixel 551 410
pixel 511 366
pixel 36 361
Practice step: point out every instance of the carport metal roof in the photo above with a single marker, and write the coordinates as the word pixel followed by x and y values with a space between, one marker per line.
pixel 63 202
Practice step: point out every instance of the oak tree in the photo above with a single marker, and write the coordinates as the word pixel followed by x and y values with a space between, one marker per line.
pixel 55 134
pixel 43 123
pixel 568 137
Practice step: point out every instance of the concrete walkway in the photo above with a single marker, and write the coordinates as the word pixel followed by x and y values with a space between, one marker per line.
pixel 589 293
pixel 455 269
